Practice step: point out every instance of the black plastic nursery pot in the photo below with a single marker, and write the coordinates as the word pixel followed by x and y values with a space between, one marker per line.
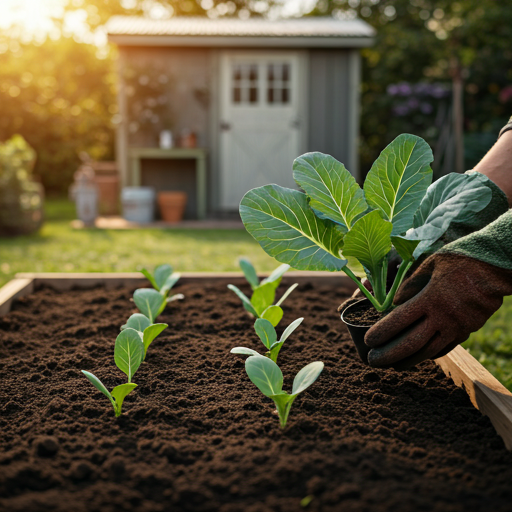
pixel 358 332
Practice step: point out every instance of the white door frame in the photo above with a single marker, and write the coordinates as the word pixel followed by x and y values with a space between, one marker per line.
pixel 301 91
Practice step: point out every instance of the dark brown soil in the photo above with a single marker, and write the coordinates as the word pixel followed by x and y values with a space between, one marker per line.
pixel 198 436
pixel 362 314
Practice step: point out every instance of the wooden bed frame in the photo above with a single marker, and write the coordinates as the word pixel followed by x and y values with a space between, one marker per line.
pixel 487 394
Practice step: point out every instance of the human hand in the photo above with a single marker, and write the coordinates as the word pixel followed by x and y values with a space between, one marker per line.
pixel 440 305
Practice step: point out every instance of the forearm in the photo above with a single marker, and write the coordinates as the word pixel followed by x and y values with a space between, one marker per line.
pixel 497 164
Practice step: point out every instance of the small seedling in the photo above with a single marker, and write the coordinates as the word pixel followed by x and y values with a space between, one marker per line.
pixel 149 302
pixel 162 280
pixel 268 336
pixel 268 378
pixel 128 352
pixel 119 393
pixel 260 305
pixel 147 331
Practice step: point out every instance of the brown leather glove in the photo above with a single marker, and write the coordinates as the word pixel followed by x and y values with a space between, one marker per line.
pixel 442 303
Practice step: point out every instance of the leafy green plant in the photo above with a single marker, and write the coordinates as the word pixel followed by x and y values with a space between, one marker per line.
pixel 162 280
pixel 147 331
pixel 268 336
pixel 119 393
pixel 128 355
pixel 268 378
pixel 337 226
pixel 149 302
pixel 260 305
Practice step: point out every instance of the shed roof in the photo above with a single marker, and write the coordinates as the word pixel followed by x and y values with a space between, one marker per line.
pixel 190 31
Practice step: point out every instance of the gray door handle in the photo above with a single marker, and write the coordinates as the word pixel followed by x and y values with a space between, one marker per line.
pixel 224 126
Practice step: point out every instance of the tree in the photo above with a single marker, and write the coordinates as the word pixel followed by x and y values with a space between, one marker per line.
pixel 444 41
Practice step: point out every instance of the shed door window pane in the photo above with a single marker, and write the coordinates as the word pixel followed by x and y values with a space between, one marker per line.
pixel 278 83
pixel 245 84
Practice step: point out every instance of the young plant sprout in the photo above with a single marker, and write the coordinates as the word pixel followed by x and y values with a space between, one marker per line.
pixel 149 302
pixel 147 331
pixel 268 378
pixel 128 355
pixel 162 280
pixel 119 393
pixel 335 225
pixel 268 336
pixel 260 305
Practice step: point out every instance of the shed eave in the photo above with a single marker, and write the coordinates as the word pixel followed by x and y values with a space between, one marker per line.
pixel 241 41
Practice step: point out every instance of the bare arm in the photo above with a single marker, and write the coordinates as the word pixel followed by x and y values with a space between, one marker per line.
pixel 497 164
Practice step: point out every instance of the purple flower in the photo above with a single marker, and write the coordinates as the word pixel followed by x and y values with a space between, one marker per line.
pixel 426 108
pixel 401 110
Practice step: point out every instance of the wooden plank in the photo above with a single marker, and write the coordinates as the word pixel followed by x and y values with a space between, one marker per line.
pixel 14 290
pixel 487 394
pixel 66 281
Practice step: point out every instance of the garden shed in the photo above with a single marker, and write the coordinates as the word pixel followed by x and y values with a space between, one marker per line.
pixel 242 99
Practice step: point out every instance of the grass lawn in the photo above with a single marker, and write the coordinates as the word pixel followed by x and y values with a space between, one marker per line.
pixel 58 248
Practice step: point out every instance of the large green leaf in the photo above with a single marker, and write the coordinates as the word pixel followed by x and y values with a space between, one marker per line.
pixel 399 179
pixel 306 377
pixel 273 314
pixel 333 192
pixel 249 272
pixel 150 333
pixel 265 331
pixel 451 199
pixel 283 223
pixel 263 297
pixel 162 273
pixel 245 300
pixel 120 393
pixel 148 302
pixel 264 374
pixel 369 241
pixel 138 322
pixel 128 352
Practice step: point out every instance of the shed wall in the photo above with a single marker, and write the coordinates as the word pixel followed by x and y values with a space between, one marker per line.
pixel 333 104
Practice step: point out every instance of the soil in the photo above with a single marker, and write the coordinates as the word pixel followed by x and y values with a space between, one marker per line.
pixel 362 315
pixel 197 435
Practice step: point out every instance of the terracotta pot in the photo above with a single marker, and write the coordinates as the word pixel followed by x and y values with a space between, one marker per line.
pixel 172 205
pixel 108 189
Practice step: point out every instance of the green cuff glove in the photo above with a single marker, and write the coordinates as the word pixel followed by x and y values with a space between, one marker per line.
pixel 492 244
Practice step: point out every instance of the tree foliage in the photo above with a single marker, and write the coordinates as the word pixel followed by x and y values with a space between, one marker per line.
pixel 422 41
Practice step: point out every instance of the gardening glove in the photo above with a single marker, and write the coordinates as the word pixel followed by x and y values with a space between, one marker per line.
pixel 451 295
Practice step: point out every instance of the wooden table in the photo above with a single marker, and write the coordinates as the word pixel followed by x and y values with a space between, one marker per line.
pixel 197 154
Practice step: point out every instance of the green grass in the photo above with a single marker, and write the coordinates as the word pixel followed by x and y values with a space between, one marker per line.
pixel 492 345
pixel 59 248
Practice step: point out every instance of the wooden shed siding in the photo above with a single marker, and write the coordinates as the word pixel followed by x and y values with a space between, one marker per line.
pixel 329 107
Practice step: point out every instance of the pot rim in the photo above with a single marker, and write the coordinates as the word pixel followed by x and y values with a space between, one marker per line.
pixel 352 305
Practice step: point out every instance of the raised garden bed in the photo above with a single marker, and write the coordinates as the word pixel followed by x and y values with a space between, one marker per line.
pixel 196 435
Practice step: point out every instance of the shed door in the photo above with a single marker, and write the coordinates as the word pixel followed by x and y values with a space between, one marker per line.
pixel 260 125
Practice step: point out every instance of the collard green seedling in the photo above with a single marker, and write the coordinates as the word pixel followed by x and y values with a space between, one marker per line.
pixel 149 302
pixel 268 336
pixel 147 331
pixel 261 302
pixel 119 393
pixel 162 280
pixel 337 226
pixel 268 378
pixel 128 352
